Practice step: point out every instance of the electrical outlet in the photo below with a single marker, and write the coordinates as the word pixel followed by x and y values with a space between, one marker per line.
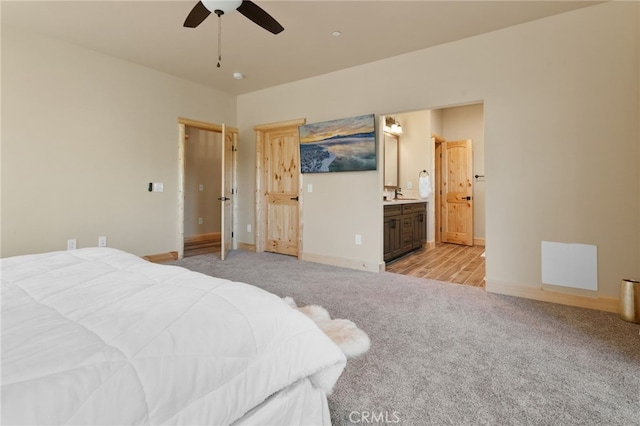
pixel 201 187
pixel 358 239
pixel 158 187
pixel 102 241
pixel 309 187
pixel 249 227
pixel 199 221
pixel 71 244
pixel 409 185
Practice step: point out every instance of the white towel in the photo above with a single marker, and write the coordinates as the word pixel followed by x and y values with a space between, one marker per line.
pixel 424 185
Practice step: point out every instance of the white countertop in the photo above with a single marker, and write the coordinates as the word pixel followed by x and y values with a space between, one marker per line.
pixel 402 201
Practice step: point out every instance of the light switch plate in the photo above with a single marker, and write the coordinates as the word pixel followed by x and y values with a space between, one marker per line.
pixel 158 187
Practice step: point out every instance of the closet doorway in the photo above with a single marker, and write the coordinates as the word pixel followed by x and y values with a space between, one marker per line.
pixel 206 188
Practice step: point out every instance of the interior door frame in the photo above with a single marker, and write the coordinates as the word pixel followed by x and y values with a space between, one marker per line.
pixel 260 213
pixel 228 185
pixel 182 141
pixel 439 208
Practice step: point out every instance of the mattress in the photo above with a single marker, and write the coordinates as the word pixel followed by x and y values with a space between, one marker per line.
pixel 98 335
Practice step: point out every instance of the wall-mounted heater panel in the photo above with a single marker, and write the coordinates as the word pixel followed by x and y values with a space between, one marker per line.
pixel 570 265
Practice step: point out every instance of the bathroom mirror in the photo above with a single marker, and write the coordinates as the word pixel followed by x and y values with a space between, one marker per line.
pixel 390 160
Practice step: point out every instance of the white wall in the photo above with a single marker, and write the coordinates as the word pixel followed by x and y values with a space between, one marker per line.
pixel 83 134
pixel 415 152
pixel 561 140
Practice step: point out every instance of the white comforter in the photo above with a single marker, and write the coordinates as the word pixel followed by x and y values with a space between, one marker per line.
pixel 101 336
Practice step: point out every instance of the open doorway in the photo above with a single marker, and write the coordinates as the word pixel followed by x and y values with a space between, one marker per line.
pixel 206 188
pixel 463 264
pixel 202 175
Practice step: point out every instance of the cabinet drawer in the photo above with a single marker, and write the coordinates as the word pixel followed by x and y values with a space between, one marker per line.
pixel 411 208
pixel 407 224
pixel 392 210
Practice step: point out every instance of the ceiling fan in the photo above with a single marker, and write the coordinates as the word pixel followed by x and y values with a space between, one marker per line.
pixel 203 9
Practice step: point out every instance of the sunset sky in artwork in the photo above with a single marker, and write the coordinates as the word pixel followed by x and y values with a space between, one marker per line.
pixel 311 133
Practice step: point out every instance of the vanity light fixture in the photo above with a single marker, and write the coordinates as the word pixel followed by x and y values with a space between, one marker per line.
pixel 392 126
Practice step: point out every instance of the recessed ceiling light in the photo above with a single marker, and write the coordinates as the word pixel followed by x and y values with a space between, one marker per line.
pixel 336 33
pixel 238 75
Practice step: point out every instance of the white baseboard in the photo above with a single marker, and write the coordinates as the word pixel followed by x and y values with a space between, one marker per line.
pixel 344 263
pixel 600 303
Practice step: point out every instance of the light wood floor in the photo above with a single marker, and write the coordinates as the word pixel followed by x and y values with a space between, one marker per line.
pixel 446 262
pixel 201 246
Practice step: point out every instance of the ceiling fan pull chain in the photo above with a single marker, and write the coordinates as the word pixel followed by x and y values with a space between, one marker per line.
pixel 219 38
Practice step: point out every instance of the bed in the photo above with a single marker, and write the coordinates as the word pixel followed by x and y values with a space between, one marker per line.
pixel 100 336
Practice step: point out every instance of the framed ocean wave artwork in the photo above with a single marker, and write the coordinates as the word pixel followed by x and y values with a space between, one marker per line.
pixel 344 145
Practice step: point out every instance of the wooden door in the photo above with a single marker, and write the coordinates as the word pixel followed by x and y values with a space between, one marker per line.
pixel 226 189
pixel 457 221
pixel 281 181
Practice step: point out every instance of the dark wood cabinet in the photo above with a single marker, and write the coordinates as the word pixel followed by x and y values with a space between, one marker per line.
pixel 405 229
pixel 392 231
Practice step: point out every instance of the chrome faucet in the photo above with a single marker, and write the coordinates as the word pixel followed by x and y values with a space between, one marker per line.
pixel 397 193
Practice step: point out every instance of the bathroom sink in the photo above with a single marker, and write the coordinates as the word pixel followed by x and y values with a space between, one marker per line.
pixel 395 200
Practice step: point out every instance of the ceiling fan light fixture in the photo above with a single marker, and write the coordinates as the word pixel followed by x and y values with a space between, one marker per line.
pixel 224 5
pixel 249 9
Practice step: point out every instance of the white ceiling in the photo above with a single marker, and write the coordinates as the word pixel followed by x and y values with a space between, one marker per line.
pixel 150 33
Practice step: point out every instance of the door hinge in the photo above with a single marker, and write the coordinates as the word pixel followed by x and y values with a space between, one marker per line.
pixel 233 191
pixel 234 148
pixel 231 234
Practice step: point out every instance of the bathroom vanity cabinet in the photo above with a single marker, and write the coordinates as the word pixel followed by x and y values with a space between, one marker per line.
pixel 405 228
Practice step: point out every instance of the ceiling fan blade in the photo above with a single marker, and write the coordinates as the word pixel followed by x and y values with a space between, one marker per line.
pixel 260 17
pixel 198 14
